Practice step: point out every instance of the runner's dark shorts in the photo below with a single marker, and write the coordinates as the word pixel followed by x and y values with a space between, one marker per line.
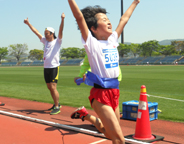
pixel 51 74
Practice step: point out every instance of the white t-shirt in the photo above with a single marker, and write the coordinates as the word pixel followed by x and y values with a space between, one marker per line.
pixel 51 52
pixel 103 55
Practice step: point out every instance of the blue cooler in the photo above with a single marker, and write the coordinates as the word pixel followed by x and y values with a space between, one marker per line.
pixel 130 109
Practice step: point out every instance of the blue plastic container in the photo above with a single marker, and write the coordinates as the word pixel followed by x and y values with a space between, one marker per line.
pixel 130 109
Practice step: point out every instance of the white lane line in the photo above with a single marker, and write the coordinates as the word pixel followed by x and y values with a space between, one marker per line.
pixel 99 141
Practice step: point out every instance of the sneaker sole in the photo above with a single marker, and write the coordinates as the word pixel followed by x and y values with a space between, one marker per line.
pixel 55 113
pixel 53 108
pixel 80 108
pixel 2 104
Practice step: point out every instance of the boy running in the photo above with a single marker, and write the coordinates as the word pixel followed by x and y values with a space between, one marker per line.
pixel 101 45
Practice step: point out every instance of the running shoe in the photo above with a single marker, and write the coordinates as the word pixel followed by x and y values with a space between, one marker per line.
pixel 55 111
pixel 79 113
pixel 2 104
pixel 54 106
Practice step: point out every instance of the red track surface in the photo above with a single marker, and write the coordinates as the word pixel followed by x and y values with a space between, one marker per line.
pixel 18 131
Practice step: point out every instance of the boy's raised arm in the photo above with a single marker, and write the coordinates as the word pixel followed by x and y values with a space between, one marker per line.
pixel 79 18
pixel 126 16
pixel 34 30
pixel 60 35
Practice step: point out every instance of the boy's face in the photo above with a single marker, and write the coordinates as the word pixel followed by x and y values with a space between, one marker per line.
pixel 48 35
pixel 104 29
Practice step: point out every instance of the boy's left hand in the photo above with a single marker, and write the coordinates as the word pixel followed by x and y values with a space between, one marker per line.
pixel 63 15
pixel 84 77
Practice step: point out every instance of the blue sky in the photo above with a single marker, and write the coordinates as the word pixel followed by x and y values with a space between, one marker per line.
pixel 151 20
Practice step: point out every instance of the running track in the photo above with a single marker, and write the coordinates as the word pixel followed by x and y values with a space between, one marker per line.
pixel 18 131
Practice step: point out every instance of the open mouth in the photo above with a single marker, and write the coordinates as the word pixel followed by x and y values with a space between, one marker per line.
pixel 109 27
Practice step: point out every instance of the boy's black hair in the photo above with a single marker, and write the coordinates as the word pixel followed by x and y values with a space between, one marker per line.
pixel 89 15
pixel 53 35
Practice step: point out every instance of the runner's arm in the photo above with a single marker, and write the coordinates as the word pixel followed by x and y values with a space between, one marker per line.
pixel 84 67
pixel 34 30
pixel 126 16
pixel 120 74
pixel 60 35
pixel 79 18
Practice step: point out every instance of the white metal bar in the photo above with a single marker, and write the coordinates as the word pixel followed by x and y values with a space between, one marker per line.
pixel 86 131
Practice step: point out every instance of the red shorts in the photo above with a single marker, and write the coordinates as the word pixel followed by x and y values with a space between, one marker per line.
pixel 105 96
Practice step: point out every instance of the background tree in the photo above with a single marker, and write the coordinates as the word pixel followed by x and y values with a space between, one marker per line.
pixel 167 50
pixel 17 50
pixel 147 48
pixel 82 52
pixel 182 50
pixel 123 49
pixel 135 49
pixel 64 53
pixel 70 52
pixel 3 53
pixel 179 46
pixel 143 49
pixel 36 54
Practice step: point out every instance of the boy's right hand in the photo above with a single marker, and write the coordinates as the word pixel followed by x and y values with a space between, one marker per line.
pixel 84 77
pixel 76 78
pixel 26 21
pixel 137 1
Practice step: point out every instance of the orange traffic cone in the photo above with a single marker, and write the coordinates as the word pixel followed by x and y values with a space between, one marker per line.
pixel 143 129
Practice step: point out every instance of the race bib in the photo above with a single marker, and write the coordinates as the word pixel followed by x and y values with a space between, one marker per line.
pixel 111 58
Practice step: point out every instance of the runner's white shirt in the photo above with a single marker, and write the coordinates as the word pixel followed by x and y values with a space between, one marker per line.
pixel 51 52
pixel 103 55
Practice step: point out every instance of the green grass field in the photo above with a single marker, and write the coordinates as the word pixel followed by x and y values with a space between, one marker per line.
pixel 165 81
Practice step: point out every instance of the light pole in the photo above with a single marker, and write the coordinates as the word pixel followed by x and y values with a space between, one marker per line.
pixel 122 34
